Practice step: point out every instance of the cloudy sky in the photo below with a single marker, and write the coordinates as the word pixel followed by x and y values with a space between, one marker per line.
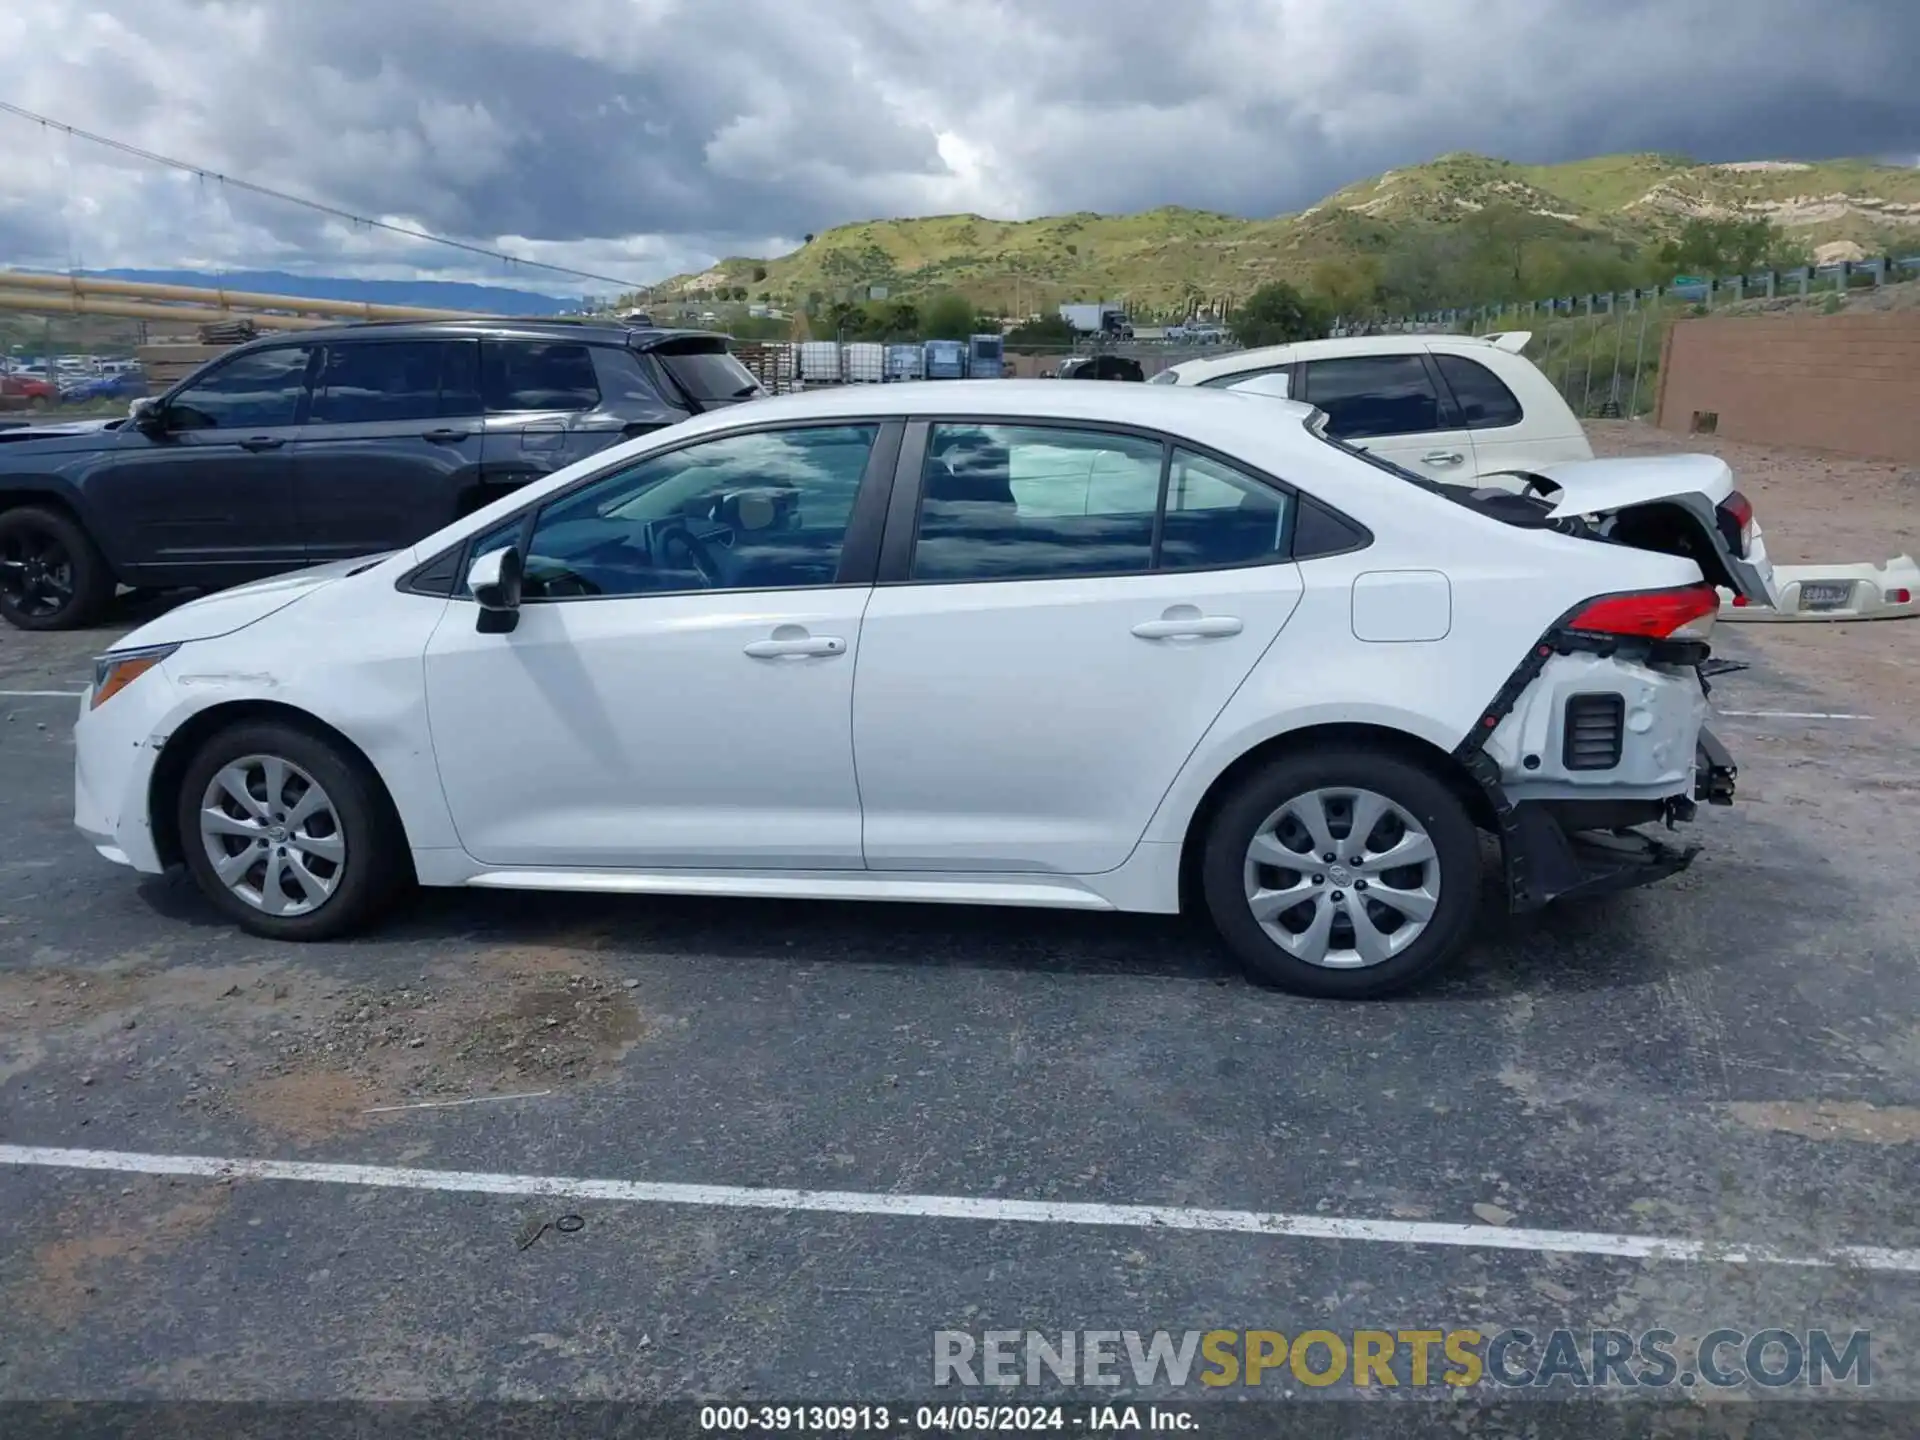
pixel 636 138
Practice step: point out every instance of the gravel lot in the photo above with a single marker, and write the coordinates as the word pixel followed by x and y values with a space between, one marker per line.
pixel 1731 1057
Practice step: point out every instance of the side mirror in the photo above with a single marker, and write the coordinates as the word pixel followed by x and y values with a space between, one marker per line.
pixel 145 414
pixel 494 580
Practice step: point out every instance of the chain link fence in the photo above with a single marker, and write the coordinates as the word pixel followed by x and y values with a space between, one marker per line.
pixel 1601 351
pixel 786 366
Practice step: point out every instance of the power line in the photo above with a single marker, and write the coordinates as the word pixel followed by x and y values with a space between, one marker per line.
pixel 363 220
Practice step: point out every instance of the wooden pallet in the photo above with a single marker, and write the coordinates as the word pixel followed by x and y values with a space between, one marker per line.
pixel 776 366
pixel 167 365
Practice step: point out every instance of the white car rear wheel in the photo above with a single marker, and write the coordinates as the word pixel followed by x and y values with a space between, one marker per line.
pixel 1346 872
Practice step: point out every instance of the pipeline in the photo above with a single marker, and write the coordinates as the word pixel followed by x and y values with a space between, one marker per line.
pixel 43 304
pixel 88 288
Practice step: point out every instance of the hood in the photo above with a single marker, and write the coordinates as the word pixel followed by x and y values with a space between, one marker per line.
pixel 226 611
pixel 1593 487
pixel 60 431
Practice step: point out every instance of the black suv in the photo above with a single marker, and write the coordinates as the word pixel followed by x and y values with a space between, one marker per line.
pixel 326 444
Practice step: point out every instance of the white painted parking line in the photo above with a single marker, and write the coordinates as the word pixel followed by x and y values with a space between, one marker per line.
pixel 1791 715
pixel 450 1104
pixel 979 1208
pixel 41 694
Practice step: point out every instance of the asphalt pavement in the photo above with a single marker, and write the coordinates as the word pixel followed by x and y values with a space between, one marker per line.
pixel 1729 1061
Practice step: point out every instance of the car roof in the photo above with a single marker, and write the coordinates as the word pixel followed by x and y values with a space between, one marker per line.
pixel 593 332
pixel 1192 372
pixel 1239 424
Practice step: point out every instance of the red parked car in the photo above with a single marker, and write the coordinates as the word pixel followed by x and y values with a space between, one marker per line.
pixel 25 392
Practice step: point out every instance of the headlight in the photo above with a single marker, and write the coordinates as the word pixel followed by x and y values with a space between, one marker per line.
pixel 118 669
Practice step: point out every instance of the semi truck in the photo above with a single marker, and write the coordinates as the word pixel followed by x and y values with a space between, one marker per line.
pixel 1099 318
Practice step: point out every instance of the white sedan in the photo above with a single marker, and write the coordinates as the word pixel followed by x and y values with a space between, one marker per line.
pixel 993 642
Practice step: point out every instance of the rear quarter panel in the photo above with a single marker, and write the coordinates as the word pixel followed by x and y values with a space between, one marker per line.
pixel 1507 588
pixel 1548 432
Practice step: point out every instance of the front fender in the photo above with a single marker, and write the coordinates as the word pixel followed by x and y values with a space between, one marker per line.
pixel 363 680
pixel 39 488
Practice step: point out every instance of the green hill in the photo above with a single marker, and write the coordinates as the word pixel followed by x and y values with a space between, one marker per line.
pixel 1591 220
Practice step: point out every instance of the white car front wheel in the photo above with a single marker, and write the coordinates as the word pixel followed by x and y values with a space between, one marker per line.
pixel 289 833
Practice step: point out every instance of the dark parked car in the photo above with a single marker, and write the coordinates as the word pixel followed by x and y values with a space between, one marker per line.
pixel 1102 367
pixel 327 444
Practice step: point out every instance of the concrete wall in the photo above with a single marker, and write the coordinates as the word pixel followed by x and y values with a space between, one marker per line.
pixel 1844 383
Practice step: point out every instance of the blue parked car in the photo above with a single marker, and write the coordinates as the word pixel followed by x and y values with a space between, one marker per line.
pixel 128 385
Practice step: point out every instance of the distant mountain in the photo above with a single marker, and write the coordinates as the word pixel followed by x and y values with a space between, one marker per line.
pixel 433 294
pixel 1614 205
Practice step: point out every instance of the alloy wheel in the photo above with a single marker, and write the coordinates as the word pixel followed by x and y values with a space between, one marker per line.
pixel 272 835
pixel 1343 878
pixel 36 573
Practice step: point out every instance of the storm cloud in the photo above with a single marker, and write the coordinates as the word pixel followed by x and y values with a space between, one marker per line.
pixel 640 137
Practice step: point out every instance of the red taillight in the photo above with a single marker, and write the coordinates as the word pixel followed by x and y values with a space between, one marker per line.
pixel 1739 510
pixel 1652 614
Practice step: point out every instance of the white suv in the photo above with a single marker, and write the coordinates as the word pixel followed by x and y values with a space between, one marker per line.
pixel 1451 407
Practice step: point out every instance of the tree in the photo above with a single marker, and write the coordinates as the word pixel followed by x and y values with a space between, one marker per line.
pixel 948 316
pixel 1421 271
pixel 759 273
pixel 1493 262
pixel 1048 332
pixel 1350 288
pixel 1731 247
pixel 1277 314
pixel 896 319
pixel 843 319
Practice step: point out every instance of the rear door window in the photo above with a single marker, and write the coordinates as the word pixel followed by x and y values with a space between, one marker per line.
pixel 371 382
pixel 1371 395
pixel 1032 502
pixel 1217 518
pixel 1485 401
pixel 527 375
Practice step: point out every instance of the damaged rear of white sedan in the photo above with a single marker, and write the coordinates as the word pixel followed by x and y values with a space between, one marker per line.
pixel 1005 643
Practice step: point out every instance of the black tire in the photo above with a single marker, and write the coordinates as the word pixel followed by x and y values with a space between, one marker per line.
pixel 377 868
pixel 1424 796
pixel 89 581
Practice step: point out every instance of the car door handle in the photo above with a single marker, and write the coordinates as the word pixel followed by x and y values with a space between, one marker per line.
pixel 444 437
pixel 1195 626
pixel 1443 457
pixel 262 442
pixel 805 645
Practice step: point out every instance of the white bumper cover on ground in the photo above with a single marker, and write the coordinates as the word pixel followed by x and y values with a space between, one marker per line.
pixel 1836 592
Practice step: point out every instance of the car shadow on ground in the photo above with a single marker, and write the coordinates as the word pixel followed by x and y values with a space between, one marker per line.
pixel 1605 944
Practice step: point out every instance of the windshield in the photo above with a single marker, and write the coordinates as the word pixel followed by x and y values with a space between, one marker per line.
pixel 710 376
